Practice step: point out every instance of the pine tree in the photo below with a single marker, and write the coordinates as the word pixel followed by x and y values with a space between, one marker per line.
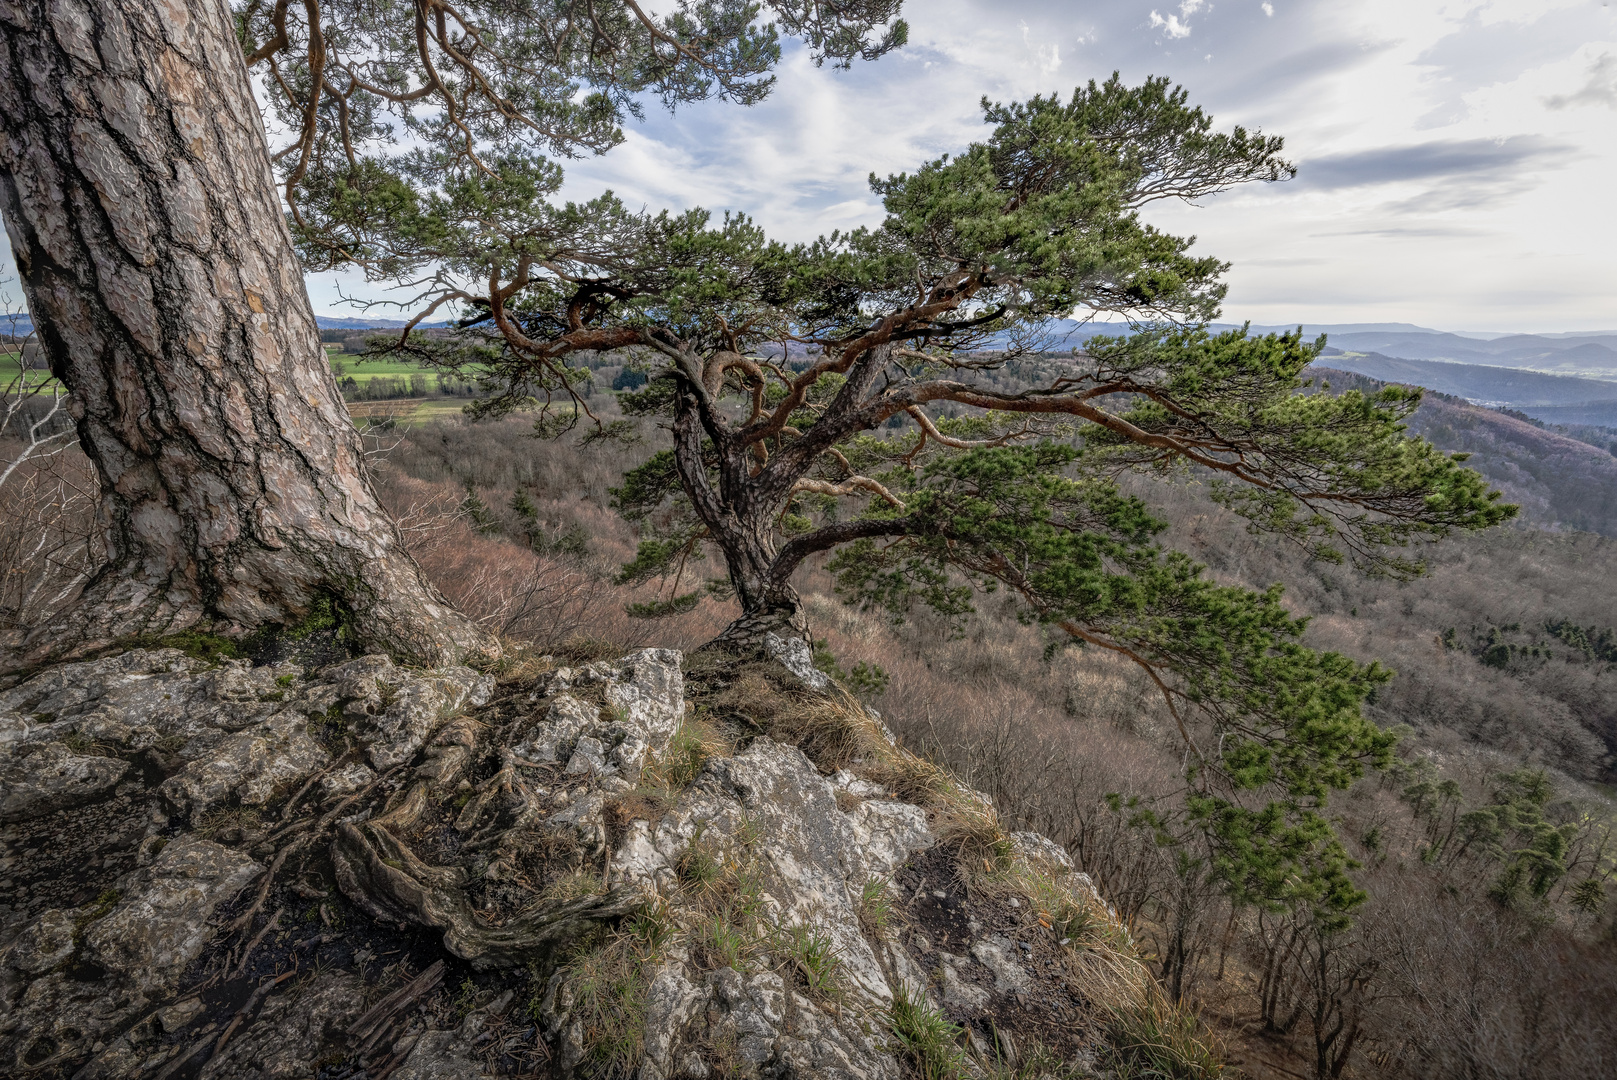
pixel 778 370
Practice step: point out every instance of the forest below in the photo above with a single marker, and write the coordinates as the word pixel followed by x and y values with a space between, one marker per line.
pixel 1485 849
pixel 1506 693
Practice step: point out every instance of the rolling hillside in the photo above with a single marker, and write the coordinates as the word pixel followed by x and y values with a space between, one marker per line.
pixel 1594 355
pixel 1559 481
pixel 1480 383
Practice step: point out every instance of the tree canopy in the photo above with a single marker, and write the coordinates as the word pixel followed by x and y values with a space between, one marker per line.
pixel 386 101
pixel 888 397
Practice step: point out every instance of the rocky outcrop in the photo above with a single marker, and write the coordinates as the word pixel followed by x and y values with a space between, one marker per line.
pixel 81 975
pixel 370 870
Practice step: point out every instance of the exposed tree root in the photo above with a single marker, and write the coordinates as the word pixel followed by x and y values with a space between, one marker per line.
pixel 247 953
pixel 388 881
pixel 378 1021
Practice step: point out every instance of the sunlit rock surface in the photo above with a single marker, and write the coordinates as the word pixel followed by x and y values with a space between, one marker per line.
pixel 368 870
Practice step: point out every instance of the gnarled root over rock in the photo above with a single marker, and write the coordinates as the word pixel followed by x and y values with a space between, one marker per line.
pixel 383 871
pixel 389 882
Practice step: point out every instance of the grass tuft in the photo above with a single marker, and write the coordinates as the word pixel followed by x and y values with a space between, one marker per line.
pixel 1157 1040
pixel 701 865
pixel 926 1038
pixel 979 839
pixel 875 907
pixel 609 988
pixel 813 957
pixel 724 941
pixel 573 886
pixel 84 746
pixel 587 650
pixel 695 743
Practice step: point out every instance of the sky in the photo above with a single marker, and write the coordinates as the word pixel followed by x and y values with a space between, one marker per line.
pixel 1457 158
pixel 1457 161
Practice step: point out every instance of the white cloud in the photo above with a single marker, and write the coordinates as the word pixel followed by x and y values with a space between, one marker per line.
pixel 1177 26
pixel 1522 251
pixel 1513 249
pixel 1601 89
pixel 1170 26
pixel 1046 56
pixel 1269 10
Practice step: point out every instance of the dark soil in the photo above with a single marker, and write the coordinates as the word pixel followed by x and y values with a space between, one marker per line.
pixel 1052 1012
pixel 69 858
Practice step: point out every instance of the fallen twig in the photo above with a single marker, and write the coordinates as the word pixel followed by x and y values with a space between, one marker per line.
pixel 246 917
pixel 369 1026
pixel 178 1063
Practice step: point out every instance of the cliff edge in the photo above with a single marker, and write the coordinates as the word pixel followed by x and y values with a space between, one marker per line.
pixel 651 866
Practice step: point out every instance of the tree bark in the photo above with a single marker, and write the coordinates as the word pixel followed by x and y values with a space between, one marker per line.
pixel 137 193
pixel 740 519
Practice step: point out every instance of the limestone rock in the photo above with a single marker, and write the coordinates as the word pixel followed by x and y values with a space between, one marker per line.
pixel 645 700
pixel 140 682
pixel 138 945
pixel 53 778
pixel 346 779
pixel 814 862
pixel 649 692
pixel 445 1055
pixel 1001 957
pixel 795 656
pixel 396 709
pixel 488 842
pixel 247 767
pixel 44 943
pixel 161 924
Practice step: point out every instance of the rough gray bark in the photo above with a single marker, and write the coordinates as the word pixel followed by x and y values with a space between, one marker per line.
pixel 137 194
pixel 740 519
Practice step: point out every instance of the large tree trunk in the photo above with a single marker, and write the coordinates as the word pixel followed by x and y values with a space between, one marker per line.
pixel 766 607
pixel 136 189
pixel 740 519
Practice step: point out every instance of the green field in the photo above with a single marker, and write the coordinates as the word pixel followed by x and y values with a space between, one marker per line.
pixel 11 366
pixel 363 373
pixel 403 409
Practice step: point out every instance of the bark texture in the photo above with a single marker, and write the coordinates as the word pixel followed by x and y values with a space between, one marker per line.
pixel 136 189
pixel 740 519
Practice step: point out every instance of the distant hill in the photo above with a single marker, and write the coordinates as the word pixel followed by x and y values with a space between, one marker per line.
pixel 1481 383
pixel 1597 413
pixel 1079 331
pixel 1591 355
pixel 329 322
pixel 1579 353
pixel 1558 481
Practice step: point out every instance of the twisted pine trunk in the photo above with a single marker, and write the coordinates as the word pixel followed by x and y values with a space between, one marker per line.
pixel 740 517
pixel 137 194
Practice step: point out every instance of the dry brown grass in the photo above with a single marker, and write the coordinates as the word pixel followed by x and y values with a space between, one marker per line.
pixel 1048 740
pixel 543 600
pixel 837 732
